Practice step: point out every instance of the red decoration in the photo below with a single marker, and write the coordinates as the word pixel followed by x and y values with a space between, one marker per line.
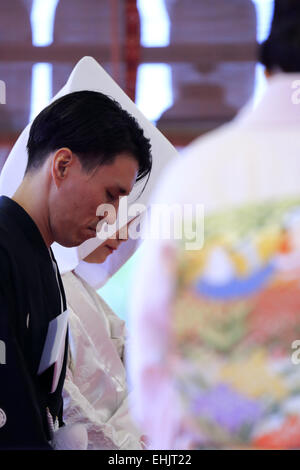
pixel 131 46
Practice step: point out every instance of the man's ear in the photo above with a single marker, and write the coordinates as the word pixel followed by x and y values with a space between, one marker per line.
pixel 61 164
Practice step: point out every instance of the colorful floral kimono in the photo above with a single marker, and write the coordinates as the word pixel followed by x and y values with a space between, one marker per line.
pixel 215 353
pixel 236 324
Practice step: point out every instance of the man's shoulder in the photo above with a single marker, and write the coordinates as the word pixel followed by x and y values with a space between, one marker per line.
pixel 12 248
pixel 5 262
pixel 11 236
pixel 5 252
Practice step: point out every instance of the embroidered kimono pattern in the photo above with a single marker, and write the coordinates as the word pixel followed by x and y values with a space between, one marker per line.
pixel 236 322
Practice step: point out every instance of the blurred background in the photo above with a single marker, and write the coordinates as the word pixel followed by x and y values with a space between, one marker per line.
pixel 189 65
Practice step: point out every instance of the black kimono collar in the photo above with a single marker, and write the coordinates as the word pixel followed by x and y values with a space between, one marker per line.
pixel 19 217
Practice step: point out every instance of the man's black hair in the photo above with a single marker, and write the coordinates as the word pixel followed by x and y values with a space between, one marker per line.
pixel 282 48
pixel 93 126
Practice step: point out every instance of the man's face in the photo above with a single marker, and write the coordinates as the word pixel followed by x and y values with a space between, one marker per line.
pixel 75 197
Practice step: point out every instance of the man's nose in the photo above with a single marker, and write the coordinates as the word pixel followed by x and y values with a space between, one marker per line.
pixel 117 204
pixel 108 212
pixel 114 214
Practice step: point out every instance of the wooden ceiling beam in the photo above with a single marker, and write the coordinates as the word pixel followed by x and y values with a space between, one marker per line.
pixel 196 53
pixel 54 53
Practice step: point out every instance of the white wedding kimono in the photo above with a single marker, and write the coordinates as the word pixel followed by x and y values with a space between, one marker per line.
pixel 95 390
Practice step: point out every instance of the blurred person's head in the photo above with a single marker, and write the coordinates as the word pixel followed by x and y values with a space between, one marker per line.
pixel 281 51
pixel 84 150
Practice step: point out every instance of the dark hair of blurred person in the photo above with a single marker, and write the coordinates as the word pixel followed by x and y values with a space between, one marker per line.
pixel 281 50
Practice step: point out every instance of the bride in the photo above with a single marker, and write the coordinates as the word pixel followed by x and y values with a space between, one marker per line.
pixel 95 389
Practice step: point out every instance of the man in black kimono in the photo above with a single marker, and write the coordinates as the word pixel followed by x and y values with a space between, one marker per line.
pixel 83 150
